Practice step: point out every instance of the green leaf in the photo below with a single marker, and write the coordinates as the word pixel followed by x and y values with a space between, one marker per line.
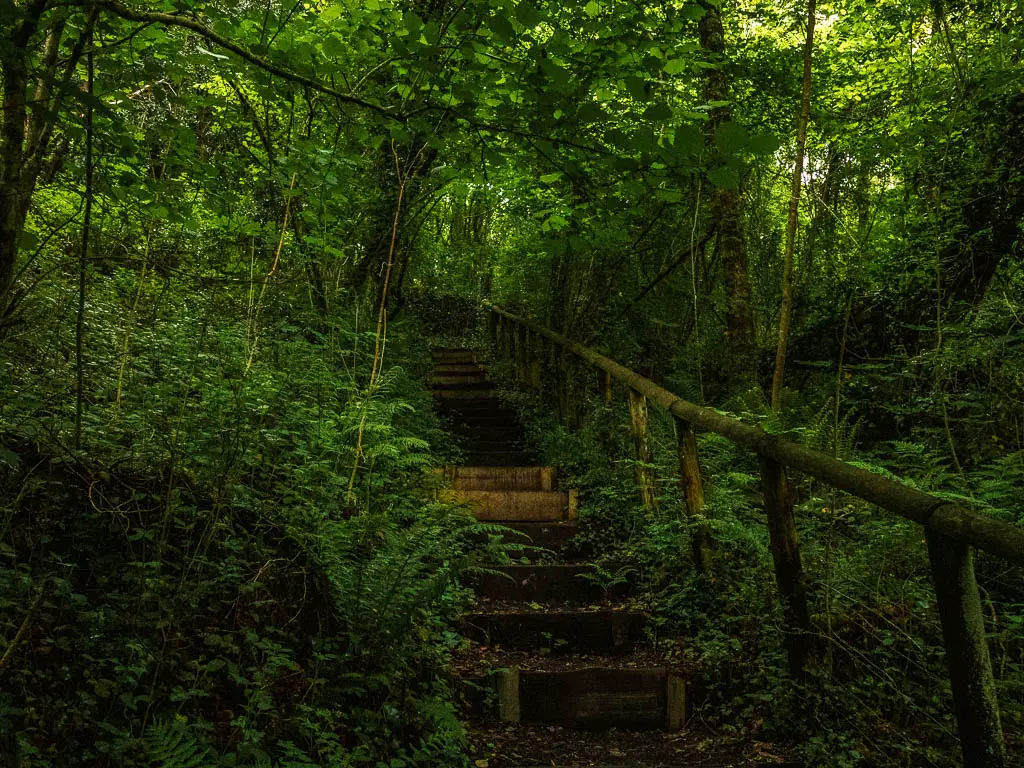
pixel 527 15
pixel 558 75
pixel 592 8
pixel 658 112
pixel 731 137
pixel 332 12
pixel 501 26
pixel 724 177
pixel 637 87
pixel 688 140
pixel 551 178
pixel 764 143
pixel 675 67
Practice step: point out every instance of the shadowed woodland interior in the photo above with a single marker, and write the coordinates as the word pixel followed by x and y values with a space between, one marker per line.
pixel 492 383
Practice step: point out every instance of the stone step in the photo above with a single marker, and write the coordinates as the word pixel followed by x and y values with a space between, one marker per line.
pixel 603 631
pixel 501 478
pixel 501 459
pixel 590 698
pixel 549 584
pixel 498 506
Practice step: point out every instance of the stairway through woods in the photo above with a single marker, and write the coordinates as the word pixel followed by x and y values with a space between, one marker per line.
pixel 558 672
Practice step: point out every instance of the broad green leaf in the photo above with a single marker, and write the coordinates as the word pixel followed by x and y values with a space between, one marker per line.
pixel 731 137
pixel 501 26
pixel 658 112
pixel 724 177
pixel 764 143
pixel 527 15
pixel 637 87
pixel 688 140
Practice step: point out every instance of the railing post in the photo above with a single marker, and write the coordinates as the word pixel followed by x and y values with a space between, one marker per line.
pixel 692 487
pixel 518 353
pixel 493 319
pixel 534 358
pixel 605 379
pixel 644 452
pixel 970 669
pixel 507 338
pixel 789 572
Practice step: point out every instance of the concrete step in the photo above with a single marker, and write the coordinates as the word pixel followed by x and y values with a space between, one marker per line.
pixel 604 631
pixel 501 459
pixel 591 698
pixel 551 584
pixel 498 506
pixel 501 478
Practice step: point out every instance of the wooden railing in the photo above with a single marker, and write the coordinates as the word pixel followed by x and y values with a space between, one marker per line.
pixel 950 530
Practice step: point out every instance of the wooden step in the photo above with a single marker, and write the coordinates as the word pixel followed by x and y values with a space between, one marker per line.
pixel 498 506
pixel 456 369
pixel 501 459
pixel 459 355
pixel 604 631
pixel 549 536
pixel 553 536
pixel 484 478
pixel 587 698
pixel 474 393
pixel 478 422
pixel 468 380
pixel 494 446
pixel 541 584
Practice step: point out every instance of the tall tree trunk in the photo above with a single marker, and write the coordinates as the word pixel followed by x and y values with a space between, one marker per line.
pixel 786 313
pixel 727 213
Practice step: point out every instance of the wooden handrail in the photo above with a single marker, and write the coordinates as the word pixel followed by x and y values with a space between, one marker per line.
pixel 950 529
pixel 956 522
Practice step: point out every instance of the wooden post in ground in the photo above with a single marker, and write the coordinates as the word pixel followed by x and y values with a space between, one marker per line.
pixel 789 572
pixel 692 487
pixel 518 352
pixel 535 354
pixel 606 385
pixel 644 452
pixel 970 669
pixel 493 322
pixel 509 339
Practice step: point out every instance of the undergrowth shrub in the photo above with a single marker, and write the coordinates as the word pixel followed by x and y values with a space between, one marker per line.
pixel 209 582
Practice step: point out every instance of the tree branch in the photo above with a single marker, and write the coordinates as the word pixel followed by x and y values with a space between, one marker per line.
pixel 171 20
